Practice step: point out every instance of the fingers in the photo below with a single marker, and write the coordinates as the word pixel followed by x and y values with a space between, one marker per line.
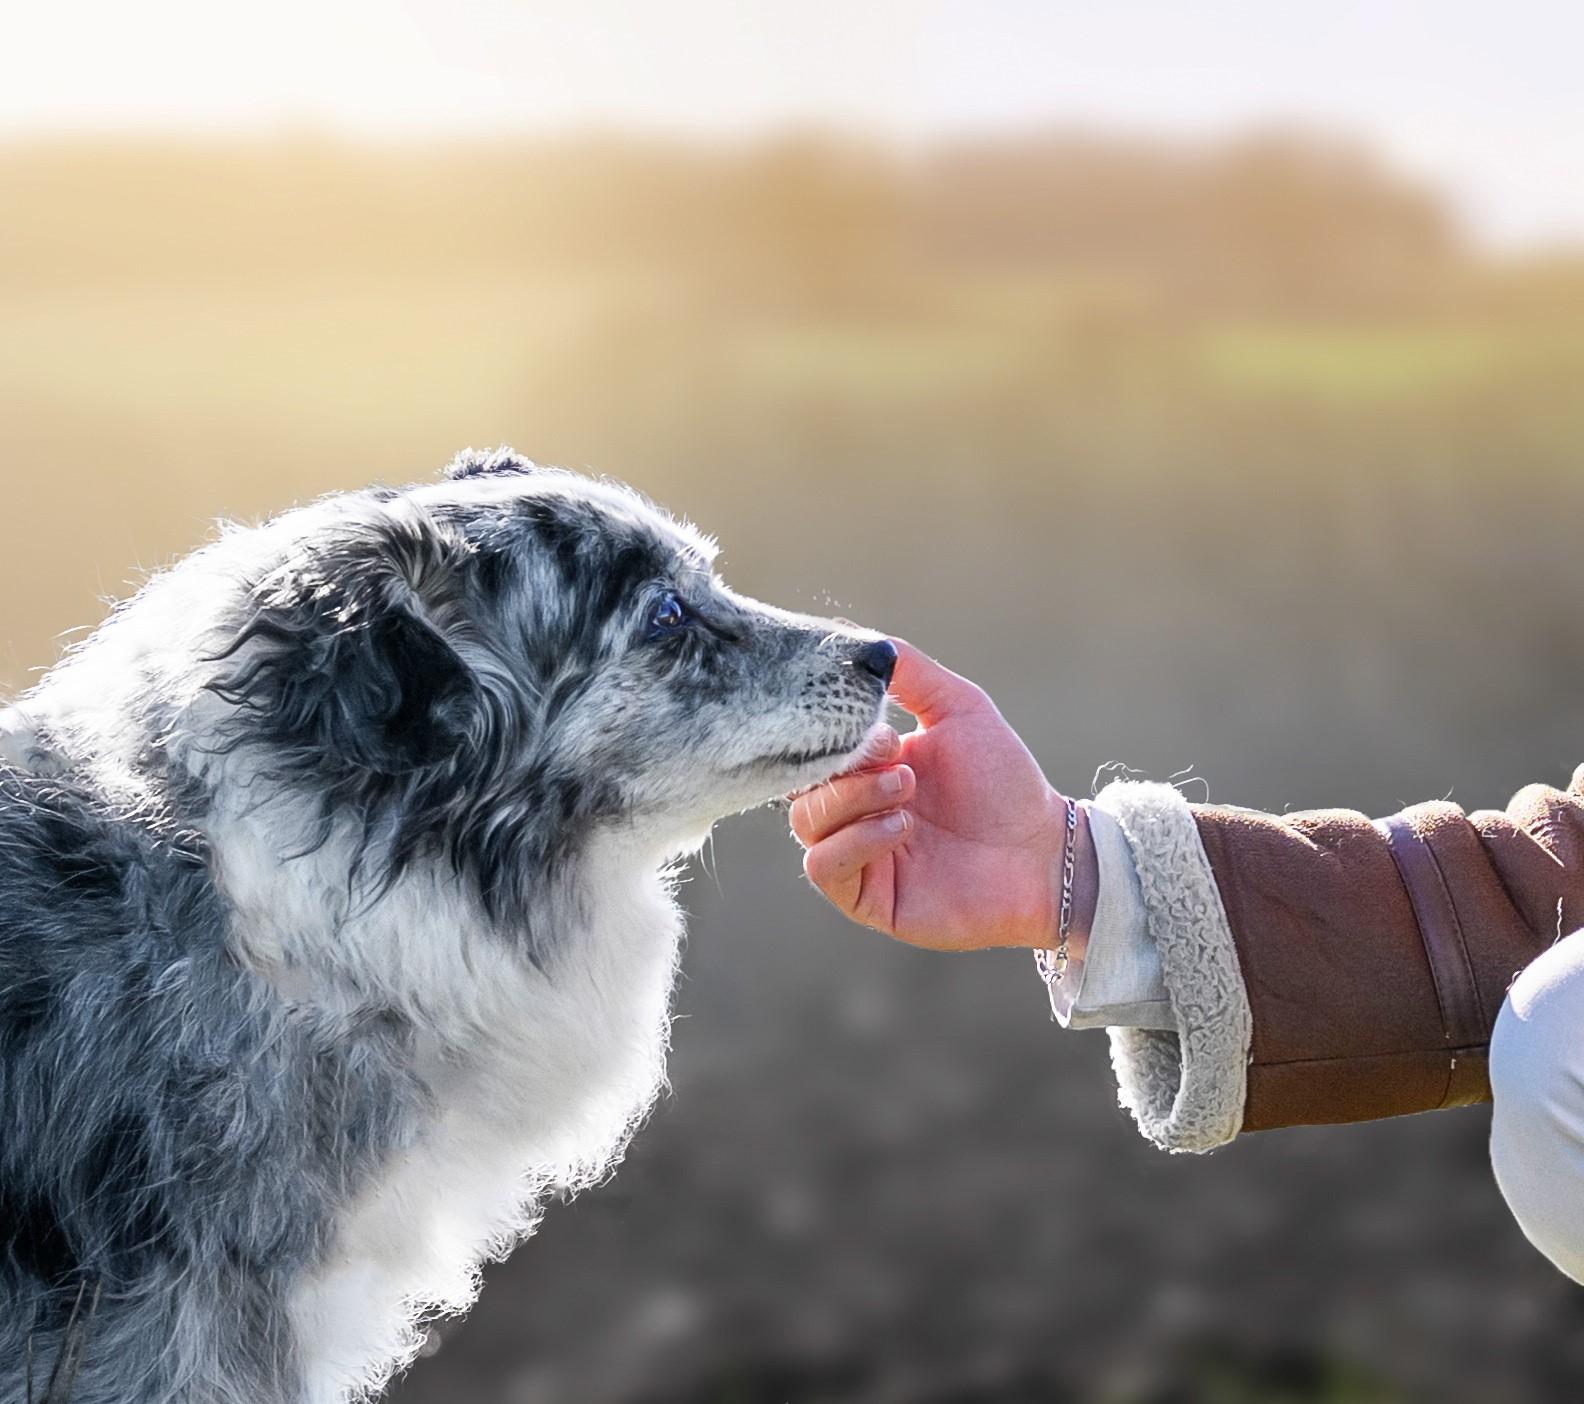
pixel 836 864
pixel 820 812
pixel 927 690
pixel 882 748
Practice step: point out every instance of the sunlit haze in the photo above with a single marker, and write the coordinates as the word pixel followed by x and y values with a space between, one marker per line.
pixel 1483 101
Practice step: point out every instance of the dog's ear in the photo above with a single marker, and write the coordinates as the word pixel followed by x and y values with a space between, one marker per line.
pixel 340 663
pixel 479 463
pixel 397 695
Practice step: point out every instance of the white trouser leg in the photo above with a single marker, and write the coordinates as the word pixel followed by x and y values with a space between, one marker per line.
pixel 1537 1123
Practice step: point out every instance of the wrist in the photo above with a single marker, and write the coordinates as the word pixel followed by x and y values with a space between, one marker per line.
pixel 1061 961
pixel 1086 878
pixel 1076 892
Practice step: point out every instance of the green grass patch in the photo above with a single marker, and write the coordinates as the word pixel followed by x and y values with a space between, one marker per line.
pixel 1355 364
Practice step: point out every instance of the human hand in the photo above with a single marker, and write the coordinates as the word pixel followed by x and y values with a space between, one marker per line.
pixel 951 838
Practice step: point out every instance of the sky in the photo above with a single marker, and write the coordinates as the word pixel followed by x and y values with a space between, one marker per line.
pixel 1483 100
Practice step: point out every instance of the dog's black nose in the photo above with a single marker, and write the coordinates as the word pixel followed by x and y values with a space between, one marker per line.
pixel 878 658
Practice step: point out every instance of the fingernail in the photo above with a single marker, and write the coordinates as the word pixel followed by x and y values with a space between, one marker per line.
pixel 895 823
pixel 891 782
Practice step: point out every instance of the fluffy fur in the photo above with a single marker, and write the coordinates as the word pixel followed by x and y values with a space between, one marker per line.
pixel 1186 1087
pixel 335 920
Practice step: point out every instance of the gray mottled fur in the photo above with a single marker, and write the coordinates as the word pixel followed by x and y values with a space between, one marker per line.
pixel 304 858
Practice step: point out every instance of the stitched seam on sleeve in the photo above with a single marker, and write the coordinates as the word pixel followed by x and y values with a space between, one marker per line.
pixel 1418 868
pixel 1468 969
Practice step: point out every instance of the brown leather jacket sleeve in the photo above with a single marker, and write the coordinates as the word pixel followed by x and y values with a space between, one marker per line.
pixel 1377 955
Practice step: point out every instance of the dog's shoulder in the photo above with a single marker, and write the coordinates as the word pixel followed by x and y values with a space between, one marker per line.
pixel 58 846
pixel 60 842
pixel 81 881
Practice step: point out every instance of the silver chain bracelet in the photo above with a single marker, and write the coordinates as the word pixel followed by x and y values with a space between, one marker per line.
pixel 1052 965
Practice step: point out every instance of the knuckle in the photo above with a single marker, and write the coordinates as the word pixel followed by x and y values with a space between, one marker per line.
pixel 819 868
pixel 799 820
pixel 866 909
pixel 847 799
pixel 870 907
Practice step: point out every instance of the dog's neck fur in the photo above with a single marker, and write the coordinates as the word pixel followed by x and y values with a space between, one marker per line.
pixel 535 1074
pixel 537 1079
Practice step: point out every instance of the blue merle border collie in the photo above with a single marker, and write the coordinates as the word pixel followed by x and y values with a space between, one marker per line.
pixel 336 925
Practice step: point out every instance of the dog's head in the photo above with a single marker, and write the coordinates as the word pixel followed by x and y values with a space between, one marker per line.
pixel 495 666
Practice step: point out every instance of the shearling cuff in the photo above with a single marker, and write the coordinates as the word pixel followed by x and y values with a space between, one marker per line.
pixel 1185 1089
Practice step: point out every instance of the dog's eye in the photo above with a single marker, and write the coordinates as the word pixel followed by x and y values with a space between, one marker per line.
pixel 668 614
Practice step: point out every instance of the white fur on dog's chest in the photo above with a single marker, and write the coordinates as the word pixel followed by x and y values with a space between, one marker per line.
pixel 557 1068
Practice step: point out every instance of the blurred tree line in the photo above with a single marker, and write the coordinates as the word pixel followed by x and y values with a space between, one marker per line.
pixel 1275 224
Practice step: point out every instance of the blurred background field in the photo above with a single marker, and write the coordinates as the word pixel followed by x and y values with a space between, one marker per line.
pixel 1241 456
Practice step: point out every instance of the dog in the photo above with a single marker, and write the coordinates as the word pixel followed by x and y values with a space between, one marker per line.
pixel 336 916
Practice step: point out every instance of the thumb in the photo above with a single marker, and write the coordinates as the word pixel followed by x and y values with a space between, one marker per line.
pixel 930 692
